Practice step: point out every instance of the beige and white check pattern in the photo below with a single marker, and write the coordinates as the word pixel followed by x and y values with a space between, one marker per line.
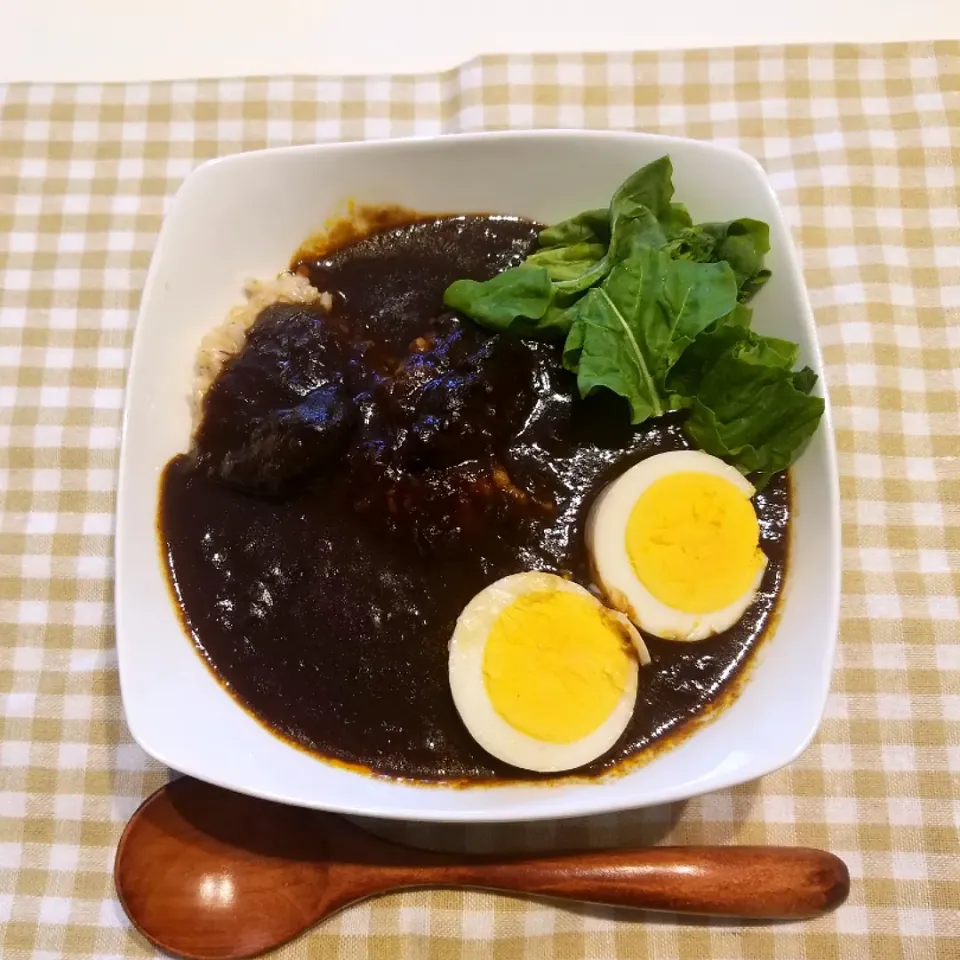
pixel 863 148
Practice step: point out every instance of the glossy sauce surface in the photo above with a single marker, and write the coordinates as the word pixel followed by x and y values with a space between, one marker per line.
pixel 360 475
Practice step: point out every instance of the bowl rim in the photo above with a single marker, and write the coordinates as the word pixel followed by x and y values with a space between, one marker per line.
pixel 588 803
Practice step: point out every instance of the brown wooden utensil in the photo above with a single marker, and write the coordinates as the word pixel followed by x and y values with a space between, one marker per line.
pixel 206 873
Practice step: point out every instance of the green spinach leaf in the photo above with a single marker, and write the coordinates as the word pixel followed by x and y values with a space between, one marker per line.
pixel 641 202
pixel 684 380
pixel 677 220
pixel 651 187
pixel 804 380
pixel 591 226
pixel 638 230
pixel 569 262
pixel 626 335
pixel 743 244
pixel 603 350
pixel 753 410
pixel 521 293
pixel 691 243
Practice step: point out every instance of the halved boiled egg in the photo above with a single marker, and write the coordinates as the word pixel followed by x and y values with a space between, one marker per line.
pixel 544 675
pixel 674 544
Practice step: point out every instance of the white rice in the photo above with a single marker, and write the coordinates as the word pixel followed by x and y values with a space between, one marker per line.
pixel 226 340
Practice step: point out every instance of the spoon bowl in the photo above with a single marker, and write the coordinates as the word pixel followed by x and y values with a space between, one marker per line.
pixel 208 874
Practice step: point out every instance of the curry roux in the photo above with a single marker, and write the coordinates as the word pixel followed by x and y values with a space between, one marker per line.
pixel 359 476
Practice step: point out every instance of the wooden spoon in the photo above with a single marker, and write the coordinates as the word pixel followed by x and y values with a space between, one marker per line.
pixel 205 873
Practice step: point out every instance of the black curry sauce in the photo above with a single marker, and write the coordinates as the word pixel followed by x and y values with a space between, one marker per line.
pixel 360 475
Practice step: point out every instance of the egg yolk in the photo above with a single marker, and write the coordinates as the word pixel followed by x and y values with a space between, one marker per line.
pixel 555 665
pixel 692 539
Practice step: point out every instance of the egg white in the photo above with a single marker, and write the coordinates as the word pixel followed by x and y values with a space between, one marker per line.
pixel 607 548
pixel 486 726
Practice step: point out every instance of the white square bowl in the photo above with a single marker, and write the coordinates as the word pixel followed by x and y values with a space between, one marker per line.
pixel 244 216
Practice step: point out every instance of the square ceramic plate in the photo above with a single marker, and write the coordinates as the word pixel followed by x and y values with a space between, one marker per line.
pixel 244 216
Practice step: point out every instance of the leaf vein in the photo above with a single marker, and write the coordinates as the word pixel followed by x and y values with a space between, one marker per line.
pixel 635 347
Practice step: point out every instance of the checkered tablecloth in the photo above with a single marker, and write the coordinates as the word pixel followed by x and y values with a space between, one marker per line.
pixel 862 145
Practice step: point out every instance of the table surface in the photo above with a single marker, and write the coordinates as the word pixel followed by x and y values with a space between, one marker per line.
pixel 116 40
pixel 862 146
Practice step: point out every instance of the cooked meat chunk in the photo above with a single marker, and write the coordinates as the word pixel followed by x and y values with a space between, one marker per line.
pixel 287 448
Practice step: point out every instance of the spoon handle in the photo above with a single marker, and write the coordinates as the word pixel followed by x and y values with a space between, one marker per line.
pixel 764 883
